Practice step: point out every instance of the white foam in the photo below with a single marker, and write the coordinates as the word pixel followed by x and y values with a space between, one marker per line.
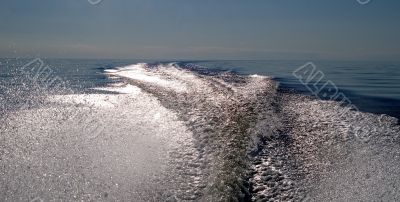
pixel 121 88
pixel 93 100
pixel 129 143
pixel 259 76
pixel 352 152
pixel 140 73
pixel 98 100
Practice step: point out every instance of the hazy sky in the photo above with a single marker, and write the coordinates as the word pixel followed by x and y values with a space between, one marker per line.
pixel 201 29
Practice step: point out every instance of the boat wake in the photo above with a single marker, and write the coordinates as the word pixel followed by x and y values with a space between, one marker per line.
pixel 179 132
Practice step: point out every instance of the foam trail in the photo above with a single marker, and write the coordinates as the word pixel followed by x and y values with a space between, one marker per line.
pixel 168 132
pixel 222 112
pixel 139 72
pixel 246 117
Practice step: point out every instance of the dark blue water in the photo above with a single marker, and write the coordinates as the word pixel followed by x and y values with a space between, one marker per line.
pixel 372 86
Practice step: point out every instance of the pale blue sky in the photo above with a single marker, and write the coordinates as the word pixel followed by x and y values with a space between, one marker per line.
pixel 201 29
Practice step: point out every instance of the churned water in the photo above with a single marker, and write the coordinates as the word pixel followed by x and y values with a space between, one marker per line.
pixel 120 130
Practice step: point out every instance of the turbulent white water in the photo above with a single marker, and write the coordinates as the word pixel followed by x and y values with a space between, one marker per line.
pixel 168 133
